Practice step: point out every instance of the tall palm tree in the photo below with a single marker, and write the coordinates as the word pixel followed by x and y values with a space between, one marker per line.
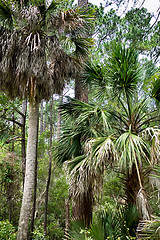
pixel 34 64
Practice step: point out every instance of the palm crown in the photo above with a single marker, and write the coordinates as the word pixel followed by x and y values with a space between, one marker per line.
pixel 32 47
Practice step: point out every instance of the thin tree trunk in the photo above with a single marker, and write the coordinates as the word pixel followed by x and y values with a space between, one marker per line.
pixel 41 120
pixel 23 132
pixel 59 120
pixel 13 131
pixel 67 223
pixel 45 118
pixel 30 171
pixel 35 189
pixel 49 170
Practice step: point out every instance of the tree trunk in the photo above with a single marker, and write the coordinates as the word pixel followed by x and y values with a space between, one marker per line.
pixel 23 132
pixel 81 91
pixel 49 170
pixel 59 119
pixel 30 171
pixel 82 210
pixel 45 118
pixel 82 2
pixel 136 194
pixel 41 122
pixel 13 131
pixel 35 189
pixel 67 216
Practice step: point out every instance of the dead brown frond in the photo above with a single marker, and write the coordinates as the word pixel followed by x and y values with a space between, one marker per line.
pixel 152 134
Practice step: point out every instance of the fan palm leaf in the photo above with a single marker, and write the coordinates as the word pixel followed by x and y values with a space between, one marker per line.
pixel 156 87
pixel 119 74
pixel 6 15
pixel 124 71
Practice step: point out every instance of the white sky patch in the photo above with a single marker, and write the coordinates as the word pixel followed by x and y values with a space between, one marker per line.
pixel 151 5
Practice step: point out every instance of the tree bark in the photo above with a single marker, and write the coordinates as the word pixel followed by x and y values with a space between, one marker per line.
pixel 82 2
pixel 41 121
pixel 23 132
pixel 67 216
pixel 136 194
pixel 35 189
pixel 30 171
pixel 13 131
pixel 81 90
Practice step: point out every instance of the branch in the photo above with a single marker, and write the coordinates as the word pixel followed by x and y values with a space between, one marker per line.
pixel 153 23
pixel 18 111
pixel 13 120
pixel 12 139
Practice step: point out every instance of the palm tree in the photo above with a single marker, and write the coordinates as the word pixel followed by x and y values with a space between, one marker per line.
pixel 34 64
pixel 100 136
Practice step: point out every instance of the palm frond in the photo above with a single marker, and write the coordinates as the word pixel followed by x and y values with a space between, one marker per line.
pixel 124 71
pixel 6 14
pixel 152 134
pixel 101 152
pixel 82 46
pixel 95 76
pixel 156 86
pixel 85 113
pixel 151 229
pixel 131 148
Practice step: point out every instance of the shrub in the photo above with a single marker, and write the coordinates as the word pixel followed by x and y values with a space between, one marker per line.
pixel 7 231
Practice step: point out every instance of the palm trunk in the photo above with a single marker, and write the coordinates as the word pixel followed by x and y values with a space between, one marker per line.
pixel 30 171
pixel 81 91
pixel 82 2
pixel 35 190
pixel 82 210
pixel 136 194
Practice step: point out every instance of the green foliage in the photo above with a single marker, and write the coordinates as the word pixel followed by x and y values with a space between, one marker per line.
pixel 39 235
pixel 137 24
pixel 6 17
pixel 156 89
pixel 118 223
pixel 7 231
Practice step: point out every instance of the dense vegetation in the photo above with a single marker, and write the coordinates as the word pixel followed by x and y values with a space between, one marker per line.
pixel 83 167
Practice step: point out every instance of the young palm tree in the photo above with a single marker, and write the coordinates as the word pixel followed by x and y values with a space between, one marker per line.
pixel 101 136
pixel 34 64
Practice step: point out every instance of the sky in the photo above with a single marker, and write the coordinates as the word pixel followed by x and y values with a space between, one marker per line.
pixel 151 5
